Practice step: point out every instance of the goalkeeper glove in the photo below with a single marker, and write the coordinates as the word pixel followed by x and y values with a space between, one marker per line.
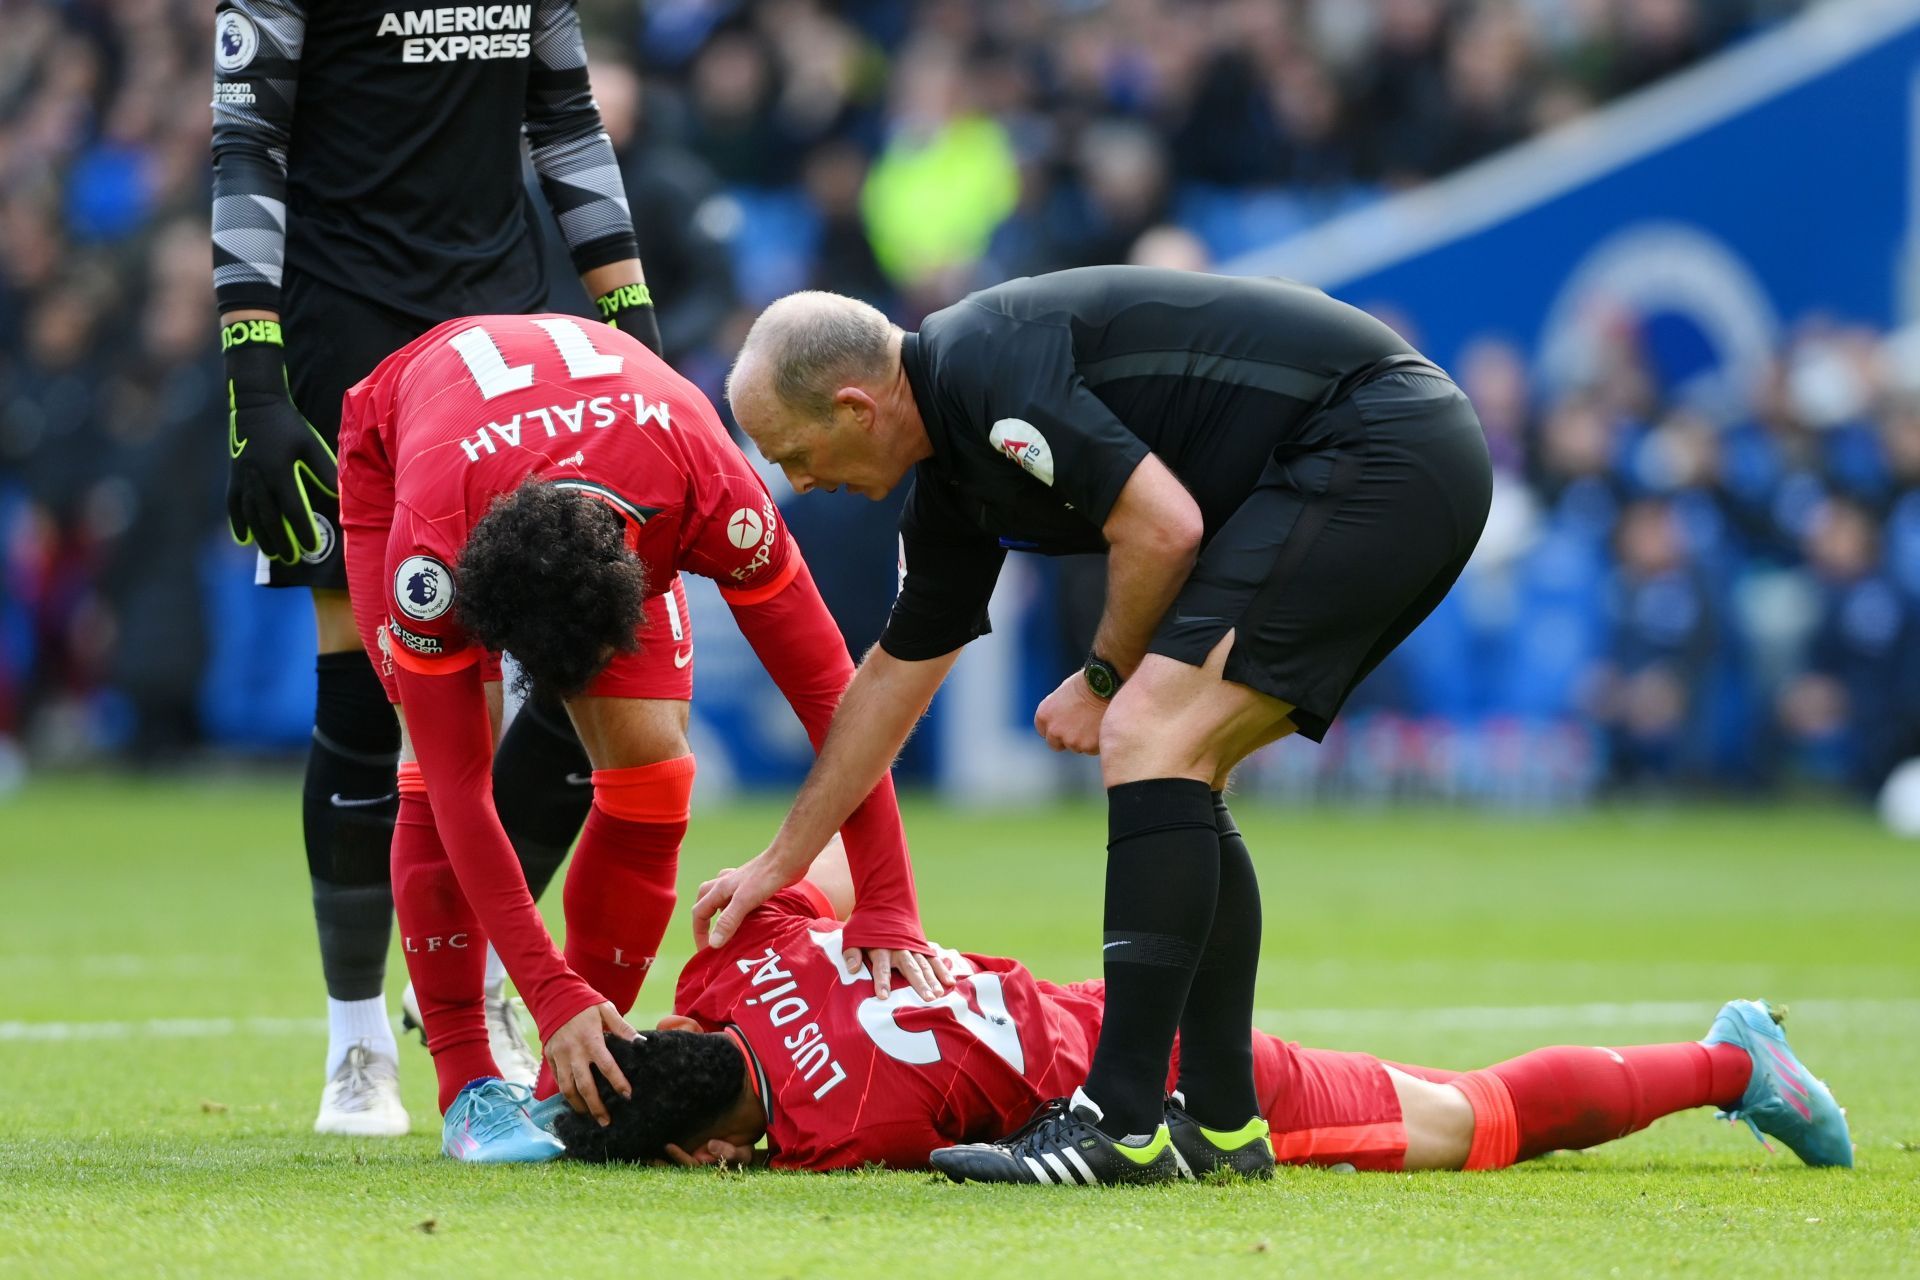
pixel 630 310
pixel 275 452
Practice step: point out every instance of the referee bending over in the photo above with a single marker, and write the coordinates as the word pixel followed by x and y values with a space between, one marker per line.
pixel 1283 488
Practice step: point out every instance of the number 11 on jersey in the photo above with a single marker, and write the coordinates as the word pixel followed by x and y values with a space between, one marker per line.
pixel 495 377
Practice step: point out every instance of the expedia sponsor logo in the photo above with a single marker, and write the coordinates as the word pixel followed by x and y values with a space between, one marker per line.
pixel 748 528
pixel 428 646
pixel 235 42
pixel 423 588
pixel 461 33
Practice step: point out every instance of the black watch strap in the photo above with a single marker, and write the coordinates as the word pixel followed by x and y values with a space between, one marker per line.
pixel 1102 677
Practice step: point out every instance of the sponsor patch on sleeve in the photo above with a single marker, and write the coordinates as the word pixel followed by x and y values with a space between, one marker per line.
pixel 426 646
pixel 1023 443
pixel 235 41
pixel 423 588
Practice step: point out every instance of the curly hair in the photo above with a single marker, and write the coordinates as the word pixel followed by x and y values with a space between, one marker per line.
pixel 547 576
pixel 683 1082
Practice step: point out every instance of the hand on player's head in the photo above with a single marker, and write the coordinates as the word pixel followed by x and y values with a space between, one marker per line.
pixel 684 1084
pixel 547 576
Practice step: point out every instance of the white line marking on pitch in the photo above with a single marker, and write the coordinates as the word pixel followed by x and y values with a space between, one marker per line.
pixel 1521 1017
pixel 1460 1018
pixel 162 1029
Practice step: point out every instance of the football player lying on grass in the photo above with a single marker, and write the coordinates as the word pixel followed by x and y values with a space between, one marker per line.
pixel 774 1037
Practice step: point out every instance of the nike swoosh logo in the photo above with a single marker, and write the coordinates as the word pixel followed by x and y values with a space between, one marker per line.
pixel 681 657
pixel 339 801
pixel 235 445
pixel 1122 943
pixel 579 779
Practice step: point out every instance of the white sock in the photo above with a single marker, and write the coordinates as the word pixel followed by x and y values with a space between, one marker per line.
pixel 496 973
pixel 351 1022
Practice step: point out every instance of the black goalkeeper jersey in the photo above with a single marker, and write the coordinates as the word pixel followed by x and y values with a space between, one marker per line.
pixel 377 146
pixel 1041 395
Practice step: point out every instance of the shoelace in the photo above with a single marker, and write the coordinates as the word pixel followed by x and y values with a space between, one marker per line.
pixel 1045 1112
pixel 1047 1131
pixel 507 1012
pixel 357 1091
pixel 497 1109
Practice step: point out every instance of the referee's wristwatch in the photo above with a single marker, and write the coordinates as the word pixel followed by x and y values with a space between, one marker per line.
pixel 1102 677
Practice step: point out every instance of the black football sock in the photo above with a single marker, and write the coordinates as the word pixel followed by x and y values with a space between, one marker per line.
pixel 542 787
pixel 1163 874
pixel 1216 1048
pixel 348 805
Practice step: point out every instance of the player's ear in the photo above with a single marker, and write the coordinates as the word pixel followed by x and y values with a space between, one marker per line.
pixel 674 1022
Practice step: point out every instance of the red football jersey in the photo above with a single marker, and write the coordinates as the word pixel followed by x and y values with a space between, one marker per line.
pixel 468 411
pixel 465 414
pixel 851 1079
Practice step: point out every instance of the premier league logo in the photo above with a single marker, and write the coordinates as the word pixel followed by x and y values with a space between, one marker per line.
pixel 423 588
pixel 235 41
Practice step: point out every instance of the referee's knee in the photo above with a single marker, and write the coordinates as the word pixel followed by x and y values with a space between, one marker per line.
pixel 1143 737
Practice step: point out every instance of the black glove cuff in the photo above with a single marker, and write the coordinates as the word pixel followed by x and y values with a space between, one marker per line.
pixel 630 310
pixel 256 360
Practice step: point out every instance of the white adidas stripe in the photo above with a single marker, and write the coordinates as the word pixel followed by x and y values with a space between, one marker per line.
pixel 1039 1172
pixel 1086 1174
pixel 1059 1169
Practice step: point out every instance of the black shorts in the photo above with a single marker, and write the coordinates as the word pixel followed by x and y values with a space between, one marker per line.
pixel 334 339
pixel 1354 533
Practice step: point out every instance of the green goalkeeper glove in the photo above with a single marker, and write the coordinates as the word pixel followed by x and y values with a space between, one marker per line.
pixel 630 310
pixel 275 452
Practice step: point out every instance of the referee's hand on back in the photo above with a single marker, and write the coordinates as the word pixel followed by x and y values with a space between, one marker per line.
pixel 274 453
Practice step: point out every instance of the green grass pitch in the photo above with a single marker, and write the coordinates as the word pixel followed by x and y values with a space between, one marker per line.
pixel 1433 937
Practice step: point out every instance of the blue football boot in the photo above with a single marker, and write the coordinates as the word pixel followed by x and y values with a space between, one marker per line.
pixel 1783 1099
pixel 488 1124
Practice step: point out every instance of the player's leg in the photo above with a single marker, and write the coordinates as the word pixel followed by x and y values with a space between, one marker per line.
pixel 348 804
pixel 348 800
pixel 632 721
pixel 1570 1097
pixel 542 787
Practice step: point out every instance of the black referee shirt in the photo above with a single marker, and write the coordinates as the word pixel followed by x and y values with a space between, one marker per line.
pixel 1043 394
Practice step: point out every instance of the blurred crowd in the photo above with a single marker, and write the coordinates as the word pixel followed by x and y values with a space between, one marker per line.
pixel 1709 596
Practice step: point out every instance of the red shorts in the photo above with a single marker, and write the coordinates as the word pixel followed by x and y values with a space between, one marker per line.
pixel 661 668
pixel 1328 1108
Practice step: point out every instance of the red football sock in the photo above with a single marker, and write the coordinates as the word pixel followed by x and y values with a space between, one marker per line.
pixel 1570 1097
pixel 619 895
pixel 445 948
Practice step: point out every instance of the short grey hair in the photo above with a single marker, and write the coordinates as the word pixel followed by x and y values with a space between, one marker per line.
pixel 814 343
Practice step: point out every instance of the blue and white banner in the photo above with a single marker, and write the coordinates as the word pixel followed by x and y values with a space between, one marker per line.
pixel 1775 182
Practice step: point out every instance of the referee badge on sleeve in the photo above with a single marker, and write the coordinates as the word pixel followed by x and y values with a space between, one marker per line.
pixel 423 588
pixel 1020 441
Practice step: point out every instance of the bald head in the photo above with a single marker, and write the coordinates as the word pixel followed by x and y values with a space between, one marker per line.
pixel 819 387
pixel 806 346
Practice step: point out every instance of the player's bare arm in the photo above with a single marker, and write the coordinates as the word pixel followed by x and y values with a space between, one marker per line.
pixel 1153 535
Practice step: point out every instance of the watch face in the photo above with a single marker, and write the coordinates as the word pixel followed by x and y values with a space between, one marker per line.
pixel 1101 679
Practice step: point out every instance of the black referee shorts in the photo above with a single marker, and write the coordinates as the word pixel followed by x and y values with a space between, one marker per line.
pixel 1355 532
pixel 334 339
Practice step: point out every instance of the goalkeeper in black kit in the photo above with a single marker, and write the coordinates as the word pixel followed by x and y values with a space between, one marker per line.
pixel 367 186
